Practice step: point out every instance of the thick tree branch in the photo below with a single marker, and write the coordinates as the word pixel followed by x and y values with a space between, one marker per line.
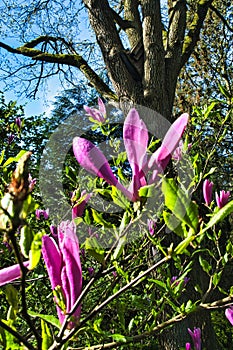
pixel 175 38
pixel 154 65
pixel 123 74
pixel 193 35
pixel 132 14
pixel 73 60
pixel 176 29
pixel 123 23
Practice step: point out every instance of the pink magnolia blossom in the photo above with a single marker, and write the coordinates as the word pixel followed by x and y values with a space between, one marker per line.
pixel 98 115
pixel 207 191
pixel 188 346
pixel 151 226
pixel 79 204
pixel 196 337
pixel 18 122
pixel 11 273
pixel 135 136
pixel 63 264
pixel 222 199
pixel 229 314
pixel 41 212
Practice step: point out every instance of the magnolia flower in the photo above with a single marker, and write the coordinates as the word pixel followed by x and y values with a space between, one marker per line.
pixel 188 346
pixel 18 122
pixel 32 182
pixel 196 337
pixel 63 264
pixel 222 199
pixel 207 191
pixel 79 206
pixel 9 274
pixel 10 138
pixel 151 226
pixel 91 271
pixel 174 280
pixel 44 213
pixel 135 136
pixel 229 314
pixel 97 114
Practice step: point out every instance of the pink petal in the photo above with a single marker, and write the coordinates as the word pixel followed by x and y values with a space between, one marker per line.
pixel 229 314
pixel 170 142
pixel 102 108
pixel 94 113
pixel 136 140
pixel 71 267
pixel 11 273
pixel 93 160
pixel 53 261
pixel 135 136
pixel 78 209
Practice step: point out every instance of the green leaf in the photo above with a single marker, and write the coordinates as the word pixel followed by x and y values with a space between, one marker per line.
pixel 26 238
pixel 11 296
pixel 204 264
pixel 120 338
pixel 94 249
pixel 35 251
pixel 98 219
pixel 147 191
pixel 174 224
pixel 216 278
pixel 119 198
pixel 2 156
pixel 219 216
pixel 180 204
pixel 119 248
pixel 48 318
pixel 29 205
pixel 47 338
pixel 161 285
pixel 14 159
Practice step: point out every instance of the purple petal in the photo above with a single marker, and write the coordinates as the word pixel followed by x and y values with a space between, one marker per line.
pixel 136 140
pixel 11 273
pixel 93 160
pixel 71 267
pixel 229 314
pixel 222 199
pixel 169 143
pixel 187 346
pixel 207 191
pixel 94 113
pixel 53 261
pixel 102 108
pixel 196 337
pixel 78 208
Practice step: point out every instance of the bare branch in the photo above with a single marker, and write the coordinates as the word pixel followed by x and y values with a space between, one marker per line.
pixel 73 60
pixel 218 13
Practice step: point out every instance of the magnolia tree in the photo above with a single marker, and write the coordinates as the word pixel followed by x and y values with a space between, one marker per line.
pixel 118 257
